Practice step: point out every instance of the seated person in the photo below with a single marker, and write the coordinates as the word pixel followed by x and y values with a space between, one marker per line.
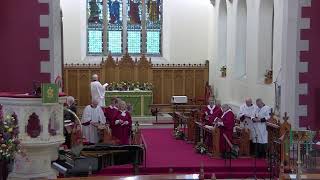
pixel 226 124
pixel 122 124
pixel 92 117
pixel 211 112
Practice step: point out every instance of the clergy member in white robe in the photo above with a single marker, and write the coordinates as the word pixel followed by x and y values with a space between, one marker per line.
pixel 98 90
pixel 247 110
pixel 92 117
pixel 262 114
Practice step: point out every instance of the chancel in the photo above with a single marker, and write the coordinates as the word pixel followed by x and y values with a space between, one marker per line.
pixel 159 89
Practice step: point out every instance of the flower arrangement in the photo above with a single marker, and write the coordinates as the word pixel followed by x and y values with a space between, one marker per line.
pixel 268 77
pixel 129 86
pixel 179 134
pixel 223 71
pixel 201 148
pixel 9 142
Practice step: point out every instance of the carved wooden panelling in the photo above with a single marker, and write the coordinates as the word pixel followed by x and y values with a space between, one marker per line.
pixel 178 83
pixel 199 83
pixel 189 83
pixel 167 79
pixel 157 85
pixel 84 88
pixel 72 83
pixel 167 86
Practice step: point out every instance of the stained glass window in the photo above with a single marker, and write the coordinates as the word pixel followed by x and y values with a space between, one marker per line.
pixel 129 23
pixel 115 26
pixel 95 26
pixel 154 23
pixel 134 27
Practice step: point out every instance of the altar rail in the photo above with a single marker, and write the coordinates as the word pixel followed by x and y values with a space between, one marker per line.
pixel 167 79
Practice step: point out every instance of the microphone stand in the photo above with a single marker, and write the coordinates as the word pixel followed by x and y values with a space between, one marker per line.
pixel 256 153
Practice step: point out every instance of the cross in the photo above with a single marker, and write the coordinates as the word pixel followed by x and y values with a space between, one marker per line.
pixel 286 117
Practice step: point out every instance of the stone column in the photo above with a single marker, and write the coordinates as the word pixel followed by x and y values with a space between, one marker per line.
pixel 124 25
pixel 105 28
pixel 144 28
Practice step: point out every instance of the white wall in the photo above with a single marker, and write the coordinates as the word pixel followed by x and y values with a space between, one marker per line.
pixel 233 89
pixel 74 30
pixel 185 31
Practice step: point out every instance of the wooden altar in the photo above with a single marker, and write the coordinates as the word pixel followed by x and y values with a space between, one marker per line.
pixel 167 79
pixel 139 100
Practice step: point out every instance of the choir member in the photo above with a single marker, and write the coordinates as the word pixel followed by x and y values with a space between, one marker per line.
pixel 98 90
pixel 226 124
pixel 92 117
pixel 111 110
pixel 260 118
pixel 247 110
pixel 69 119
pixel 212 111
pixel 122 124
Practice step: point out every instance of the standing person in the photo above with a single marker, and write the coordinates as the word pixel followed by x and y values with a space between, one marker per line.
pixel 212 111
pixel 69 119
pixel 92 117
pixel 226 124
pixel 247 110
pixel 262 114
pixel 98 90
pixel 111 110
pixel 122 124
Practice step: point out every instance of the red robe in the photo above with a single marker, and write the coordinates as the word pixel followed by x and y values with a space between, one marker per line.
pixel 227 129
pixel 216 112
pixel 110 113
pixel 121 131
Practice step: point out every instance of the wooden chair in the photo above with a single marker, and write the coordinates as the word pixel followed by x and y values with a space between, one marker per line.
pixel 203 100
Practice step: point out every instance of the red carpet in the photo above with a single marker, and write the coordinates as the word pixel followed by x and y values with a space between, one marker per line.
pixel 165 153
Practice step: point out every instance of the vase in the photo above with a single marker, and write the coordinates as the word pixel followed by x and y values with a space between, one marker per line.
pixel 3 169
pixel 223 73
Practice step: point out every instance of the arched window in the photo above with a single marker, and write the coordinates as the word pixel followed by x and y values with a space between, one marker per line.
pixel 240 69
pixel 132 25
pixel 222 34
pixel 265 38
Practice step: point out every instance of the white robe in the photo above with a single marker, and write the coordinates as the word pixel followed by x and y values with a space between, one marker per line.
pixel 98 92
pixel 261 127
pixel 95 115
pixel 248 111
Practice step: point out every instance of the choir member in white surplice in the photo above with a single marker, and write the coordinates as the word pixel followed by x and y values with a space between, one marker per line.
pixel 92 117
pixel 247 110
pixel 262 114
pixel 98 90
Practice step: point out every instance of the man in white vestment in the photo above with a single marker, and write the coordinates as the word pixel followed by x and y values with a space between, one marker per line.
pixel 247 110
pixel 262 114
pixel 98 90
pixel 92 117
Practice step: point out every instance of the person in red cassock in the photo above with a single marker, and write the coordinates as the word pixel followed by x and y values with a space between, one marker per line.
pixel 111 110
pixel 211 112
pixel 226 124
pixel 121 124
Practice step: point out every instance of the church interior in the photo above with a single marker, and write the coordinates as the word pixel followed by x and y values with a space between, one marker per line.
pixel 159 89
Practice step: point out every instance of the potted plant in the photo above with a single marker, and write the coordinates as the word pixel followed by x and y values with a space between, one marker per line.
pixel 9 142
pixel 223 71
pixel 268 77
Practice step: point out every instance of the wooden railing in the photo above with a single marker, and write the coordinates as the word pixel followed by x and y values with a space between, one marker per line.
pixel 167 79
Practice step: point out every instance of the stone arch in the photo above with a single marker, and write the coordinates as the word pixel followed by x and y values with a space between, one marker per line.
pixel 240 65
pixel 265 37
pixel 222 34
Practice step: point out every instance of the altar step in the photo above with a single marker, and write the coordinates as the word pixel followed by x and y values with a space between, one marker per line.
pixel 163 120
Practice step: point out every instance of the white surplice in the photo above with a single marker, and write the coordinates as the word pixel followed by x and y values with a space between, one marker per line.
pixel 261 127
pixel 98 92
pixel 248 112
pixel 95 115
